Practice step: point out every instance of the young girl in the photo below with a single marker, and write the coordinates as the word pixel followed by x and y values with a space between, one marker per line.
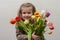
pixel 25 12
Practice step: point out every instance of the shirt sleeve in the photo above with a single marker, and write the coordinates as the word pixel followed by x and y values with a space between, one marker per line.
pixel 20 35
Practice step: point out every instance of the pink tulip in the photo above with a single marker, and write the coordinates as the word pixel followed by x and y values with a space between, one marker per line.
pixel 50 24
pixel 51 27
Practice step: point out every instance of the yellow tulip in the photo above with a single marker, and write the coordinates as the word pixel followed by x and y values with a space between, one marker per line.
pixel 26 22
pixel 33 16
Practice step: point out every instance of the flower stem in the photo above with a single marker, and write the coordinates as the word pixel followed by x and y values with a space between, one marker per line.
pixel 29 35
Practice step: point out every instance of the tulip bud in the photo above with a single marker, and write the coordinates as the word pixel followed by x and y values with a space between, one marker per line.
pixel 12 21
pixel 32 16
pixel 26 22
pixel 32 21
pixel 49 23
pixel 17 18
pixel 47 14
pixel 43 11
pixel 51 27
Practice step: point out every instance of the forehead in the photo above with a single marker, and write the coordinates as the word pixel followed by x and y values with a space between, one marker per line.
pixel 25 9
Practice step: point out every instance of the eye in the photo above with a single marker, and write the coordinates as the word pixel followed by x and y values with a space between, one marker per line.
pixel 29 12
pixel 24 12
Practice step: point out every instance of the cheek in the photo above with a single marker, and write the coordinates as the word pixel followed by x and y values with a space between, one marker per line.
pixel 30 14
pixel 22 15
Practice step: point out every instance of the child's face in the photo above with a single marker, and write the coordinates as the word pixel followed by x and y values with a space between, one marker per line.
pixel 26 13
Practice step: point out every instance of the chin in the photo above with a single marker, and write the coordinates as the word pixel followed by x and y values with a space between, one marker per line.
pixel 25 19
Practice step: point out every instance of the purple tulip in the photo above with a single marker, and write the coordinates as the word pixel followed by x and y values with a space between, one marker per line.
pixel 32 21
pixel 47 14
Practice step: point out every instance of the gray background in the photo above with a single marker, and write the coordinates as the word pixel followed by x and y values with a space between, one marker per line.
pixel 9 9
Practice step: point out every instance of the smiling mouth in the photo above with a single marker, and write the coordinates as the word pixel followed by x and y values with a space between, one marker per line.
pixel 27 18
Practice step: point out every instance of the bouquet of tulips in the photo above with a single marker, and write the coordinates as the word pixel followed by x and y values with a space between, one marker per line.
pixel 37 24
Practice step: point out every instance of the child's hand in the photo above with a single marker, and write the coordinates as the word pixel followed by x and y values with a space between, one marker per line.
pixel 35 37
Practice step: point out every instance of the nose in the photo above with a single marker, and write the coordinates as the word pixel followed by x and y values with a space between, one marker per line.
pixel 26 14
